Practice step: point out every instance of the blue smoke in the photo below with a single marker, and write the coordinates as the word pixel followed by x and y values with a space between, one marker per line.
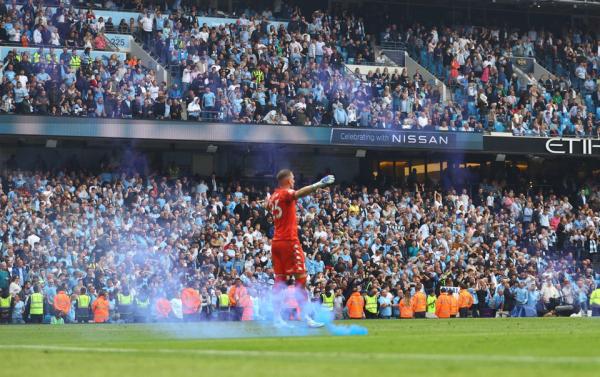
pixel 262 326
pixel 324 316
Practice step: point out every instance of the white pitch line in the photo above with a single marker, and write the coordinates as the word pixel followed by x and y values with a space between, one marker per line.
pixel 327 355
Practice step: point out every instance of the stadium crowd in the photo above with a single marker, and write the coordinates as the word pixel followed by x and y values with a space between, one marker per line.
pixel 121 247
pixel 252 71
pixel 477 63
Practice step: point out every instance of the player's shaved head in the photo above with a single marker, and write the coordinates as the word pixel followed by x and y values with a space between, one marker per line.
pixel 283 174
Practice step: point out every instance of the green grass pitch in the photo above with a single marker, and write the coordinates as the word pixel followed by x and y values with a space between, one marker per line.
pixel 486 347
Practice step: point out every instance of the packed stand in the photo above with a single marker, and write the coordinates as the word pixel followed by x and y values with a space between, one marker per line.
pixel 31 24
pixel 123 247
pixel 260 73
pixel 247 71
pixel 399 101
pixel 64 82
pixel 252 71
pixel 61 77
pixel 476 63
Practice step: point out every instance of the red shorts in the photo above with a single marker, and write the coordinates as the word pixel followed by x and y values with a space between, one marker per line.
pixel 288 257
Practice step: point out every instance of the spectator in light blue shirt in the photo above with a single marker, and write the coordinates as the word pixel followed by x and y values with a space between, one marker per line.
pixel 20 93
pixel 260 97
pixel 521 296
pixel 50 290
pixel 138 75
pixel 581 294
pixel 100 108
pixel 318 264
pixel 43 76
pixel 385 305
pixel 497 301
pixel 533 297
pixel 339 115
pixel 310 266
pixel 365 117
pixel 18 309
pixel 273 97
pixel 208 103
pixel 9 73
pixel 318 92
pixel 237 103
pixel 69 76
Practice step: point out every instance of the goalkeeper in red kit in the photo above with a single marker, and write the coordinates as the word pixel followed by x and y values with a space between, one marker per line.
pixel 286 251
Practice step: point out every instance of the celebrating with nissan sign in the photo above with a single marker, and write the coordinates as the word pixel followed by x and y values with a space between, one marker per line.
pixel 406 139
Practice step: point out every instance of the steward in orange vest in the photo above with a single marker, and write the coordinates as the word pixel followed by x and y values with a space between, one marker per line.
pixel 190 304
pixel 465 301
pixel 356 305
pixel 419 302
pixel 443 305
pixel 100 308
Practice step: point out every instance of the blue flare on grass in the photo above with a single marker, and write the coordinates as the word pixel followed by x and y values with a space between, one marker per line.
pixel 347 330
pixel 326 317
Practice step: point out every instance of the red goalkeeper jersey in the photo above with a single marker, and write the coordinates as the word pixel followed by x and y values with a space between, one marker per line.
pixel 283 208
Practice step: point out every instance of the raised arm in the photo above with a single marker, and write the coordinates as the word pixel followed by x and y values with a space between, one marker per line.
pixel 307 190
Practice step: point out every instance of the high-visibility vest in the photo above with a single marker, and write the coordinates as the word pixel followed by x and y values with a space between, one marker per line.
pixel 224 301
pixel 36 57
pixel 142 304
pixel 191 301
pixel 51 58
pixel 101 309
pixel 453 304
pixel 36 304
pixel 465 300
pixel 75 62
pixel 371 304
pixel 443 306
pixel 327 301
pixel 124 300
pixel 355 305
pixel 406 309
pixel 595 297
pixel 431 300
pixel 62 302
pixel 163 307
pixel 419 302
pixel 5 302
pixel 83 301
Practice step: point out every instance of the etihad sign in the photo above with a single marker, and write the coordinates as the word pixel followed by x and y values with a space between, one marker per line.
pixel 558 145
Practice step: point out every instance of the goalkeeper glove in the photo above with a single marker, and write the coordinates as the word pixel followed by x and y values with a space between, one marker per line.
pixel 325 181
